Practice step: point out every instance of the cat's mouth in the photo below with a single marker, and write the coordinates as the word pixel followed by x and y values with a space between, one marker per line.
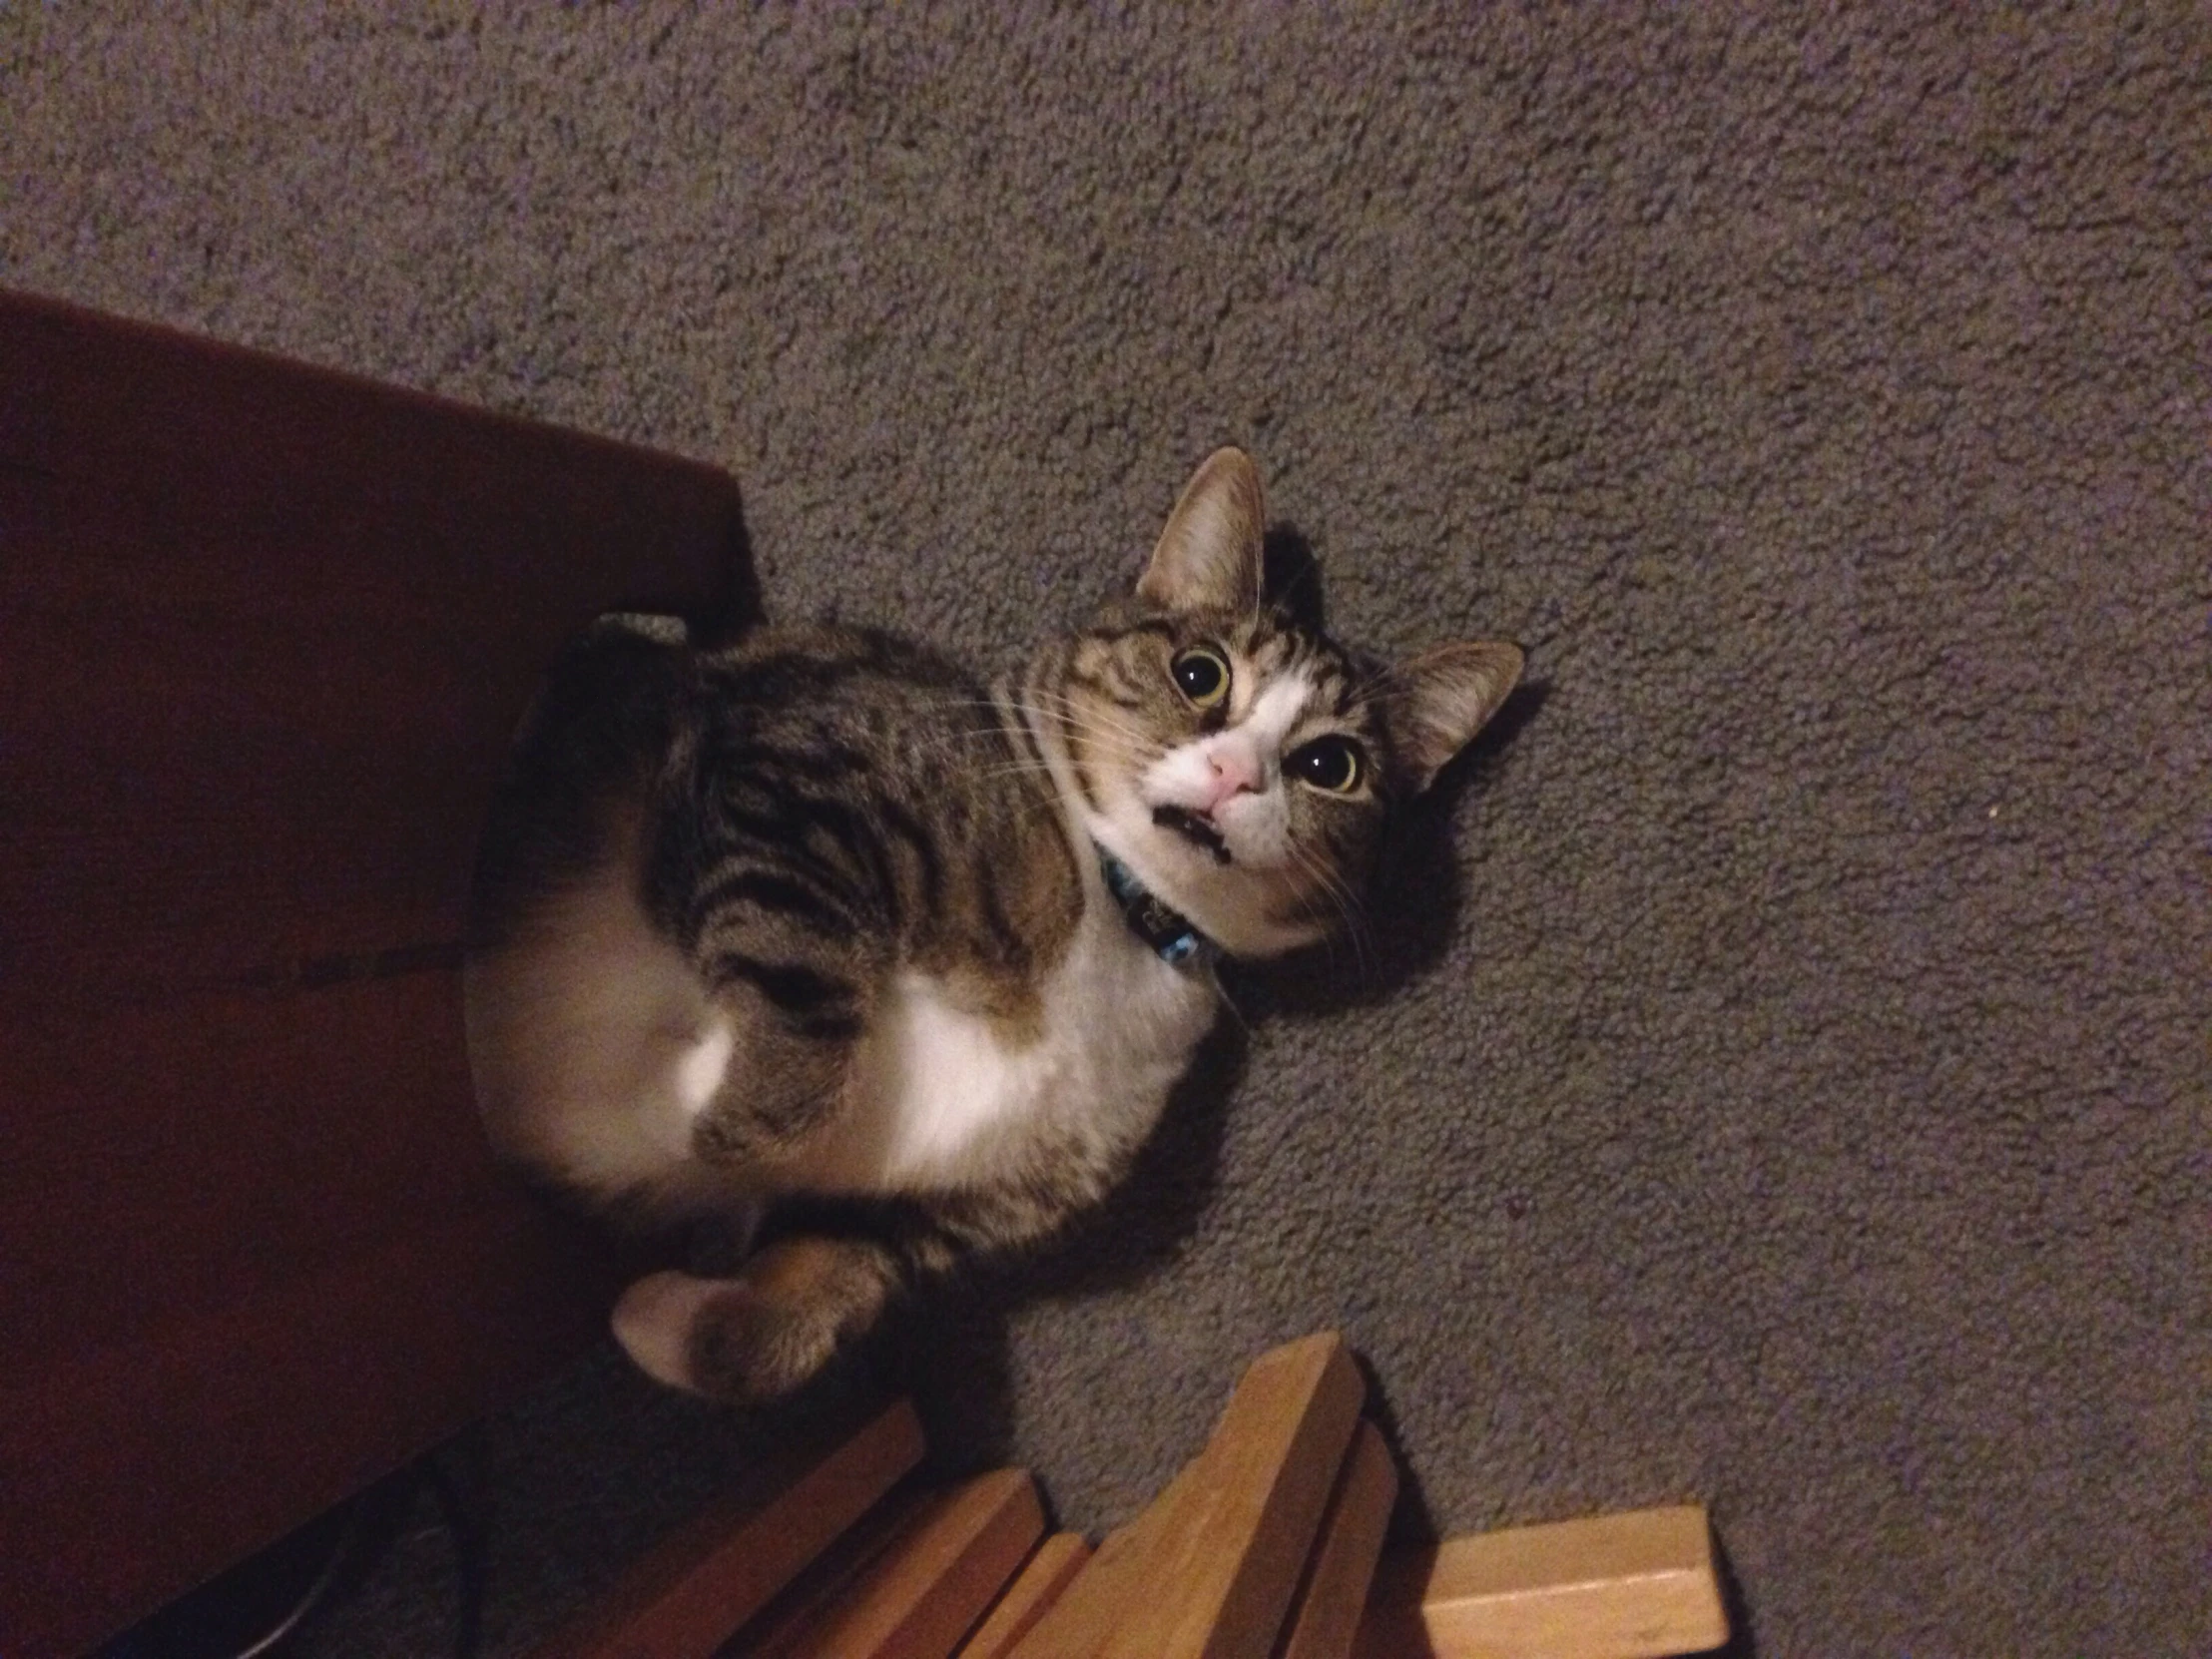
pixel 1199 832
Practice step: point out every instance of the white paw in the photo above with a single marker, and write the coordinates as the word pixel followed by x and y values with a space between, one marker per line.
pixel 654 1321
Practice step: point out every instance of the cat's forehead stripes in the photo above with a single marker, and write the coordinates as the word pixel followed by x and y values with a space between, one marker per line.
pixel 1328 687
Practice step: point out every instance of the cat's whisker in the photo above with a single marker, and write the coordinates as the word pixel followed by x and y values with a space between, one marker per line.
pixel 1073 709
pixel 1222 996
pixel 1047 692
pixel 1346 905
pixel 1015 769
pixel 1136 748
pixel 1022 701
pixel 1351 932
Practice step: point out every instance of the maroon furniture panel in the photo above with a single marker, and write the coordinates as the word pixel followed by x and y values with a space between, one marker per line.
pixel 265 631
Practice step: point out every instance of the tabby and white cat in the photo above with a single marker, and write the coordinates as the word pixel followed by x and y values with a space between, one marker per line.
pixel 817 932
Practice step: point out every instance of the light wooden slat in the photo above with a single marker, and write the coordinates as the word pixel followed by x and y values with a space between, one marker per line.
pixel 1228 1582
pixel 829 1577
pixel 934 1581
pixel 1630 1586
pixel 687 1596
pixel 1209 1572
pixel 1058 1560
pixel 1325 1619
pixel 1075 1626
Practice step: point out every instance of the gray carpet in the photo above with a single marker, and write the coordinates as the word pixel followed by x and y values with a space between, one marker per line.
pixel 1781 1076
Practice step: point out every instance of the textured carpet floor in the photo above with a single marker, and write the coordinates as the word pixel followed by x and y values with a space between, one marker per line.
pixel 1783 1074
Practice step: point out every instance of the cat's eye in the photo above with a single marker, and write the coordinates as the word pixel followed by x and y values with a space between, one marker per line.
pixel 1202 675
pixel 1333 763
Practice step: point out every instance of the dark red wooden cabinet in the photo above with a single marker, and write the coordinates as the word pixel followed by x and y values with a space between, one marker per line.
pixel 264 633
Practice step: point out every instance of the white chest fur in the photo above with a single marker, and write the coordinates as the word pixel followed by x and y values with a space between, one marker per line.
pixel 597 1050
pixel 942 1097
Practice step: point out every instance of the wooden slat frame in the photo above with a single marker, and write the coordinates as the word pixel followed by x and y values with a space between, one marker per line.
pixel 1026 1600
pixel 931 1584
pixel 1636 1585
pixel 1209 1571
pixel 802 1605
pixel 693 1591
pixel 1323 1621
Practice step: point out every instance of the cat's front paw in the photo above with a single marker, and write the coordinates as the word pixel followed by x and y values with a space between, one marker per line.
pixel 748 1349
pixel 653 1323
pixel 722 1337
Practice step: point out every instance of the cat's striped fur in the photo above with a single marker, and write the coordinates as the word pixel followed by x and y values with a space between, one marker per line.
pixel 814 928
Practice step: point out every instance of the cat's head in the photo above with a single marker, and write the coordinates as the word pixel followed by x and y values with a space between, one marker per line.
pixel 1243 765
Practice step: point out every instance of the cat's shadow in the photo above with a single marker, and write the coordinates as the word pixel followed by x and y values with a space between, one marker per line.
pixel 950 1348
pixel 1412 906
pixel 1415 902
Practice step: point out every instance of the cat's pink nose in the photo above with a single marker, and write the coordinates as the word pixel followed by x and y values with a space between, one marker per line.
pixel 1232 772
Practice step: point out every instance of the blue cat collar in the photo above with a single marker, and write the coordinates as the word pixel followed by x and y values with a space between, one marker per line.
pixel 1165 929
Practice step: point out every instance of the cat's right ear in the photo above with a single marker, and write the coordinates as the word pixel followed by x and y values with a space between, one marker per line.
pixel 1438 700
pixel 1208 556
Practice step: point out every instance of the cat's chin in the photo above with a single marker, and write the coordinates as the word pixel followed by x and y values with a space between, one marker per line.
pixel 1256 940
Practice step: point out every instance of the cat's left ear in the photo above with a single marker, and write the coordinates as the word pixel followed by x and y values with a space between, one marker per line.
pixel 1439 700
pixel 1208 556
